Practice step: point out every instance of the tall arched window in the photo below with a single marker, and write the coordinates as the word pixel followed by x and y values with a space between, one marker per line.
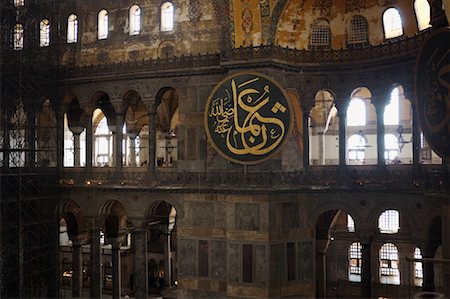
pixel 354 262
pixel 167 16
pixel 103 140
pixel 320 34
pixel 17 137
pixel 356 113
pixel 135 19
pixel 44 33
pixel 389 264
pixel 418 268
pixel 350 224
pixel 72 29
pixel 391 111
pixel 18 37
pixel 392 23
pixel 103 24
pixel 389 222
pixel 357 32
pixel 423 14
pixel 391 149
pixel 356 148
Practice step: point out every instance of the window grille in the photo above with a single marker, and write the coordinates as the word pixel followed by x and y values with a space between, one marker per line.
pixel 389 222
pixel 355 258
pixel 389 266
pixel 44 33
pixel 320 34
pixel 357 31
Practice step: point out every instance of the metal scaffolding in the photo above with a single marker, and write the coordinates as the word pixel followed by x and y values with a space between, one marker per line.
pixel 28 147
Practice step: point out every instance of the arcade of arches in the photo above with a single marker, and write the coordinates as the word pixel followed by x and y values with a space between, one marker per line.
pixel 355 204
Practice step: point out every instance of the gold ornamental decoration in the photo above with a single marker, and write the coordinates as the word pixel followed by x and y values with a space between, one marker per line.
pixel 248 117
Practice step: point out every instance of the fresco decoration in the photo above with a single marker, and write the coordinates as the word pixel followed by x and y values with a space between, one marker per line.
pixel 323 6
pixel 248 117
pixel 433 91
pixel 247 23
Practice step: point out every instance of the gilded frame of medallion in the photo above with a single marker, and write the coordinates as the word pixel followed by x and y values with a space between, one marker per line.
pixel 288 132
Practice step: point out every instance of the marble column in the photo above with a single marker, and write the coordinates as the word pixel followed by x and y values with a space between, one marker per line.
pixel 95 261
pixel 76 149
pixel 342 112
pixel 167 259
pixel 139 238
pixel 118 154
pixel 132 150
pixel 380 106
pixel 89 142
pixel 305 138
pixel 77 270
pixel 428 268
pixel 366 270
pixel 415 136
pixel 446 245
pixel 117 273
pixel 152 140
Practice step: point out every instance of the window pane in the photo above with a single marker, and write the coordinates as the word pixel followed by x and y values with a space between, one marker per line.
pixel 392 23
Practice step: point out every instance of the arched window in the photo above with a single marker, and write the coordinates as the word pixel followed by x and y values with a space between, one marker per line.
pixel 350 224
pixel 167 16
pixel 389 222
pixel 17 137
pixel 391 149
pixel 63 235
pixel 357 33
pixel 423 14
pixel 418 268
pixel 389 265
pixel 103 140
pixel 69 145
pixel 356 148
pixel 44 33
pixel 103 24
pixel 135 19
pixel 391 111
pixel 18 37
pixel 356 113
pixel 320 34
pixel 392 23
pixel 72 29
pixel 354 262
pixel 18 3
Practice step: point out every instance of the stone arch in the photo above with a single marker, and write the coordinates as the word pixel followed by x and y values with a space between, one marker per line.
pixel 115 218
pixel 174 202
pixel 405 215
pixel 70 210
pixel 334 205
pixel 101 100
pixel 276 14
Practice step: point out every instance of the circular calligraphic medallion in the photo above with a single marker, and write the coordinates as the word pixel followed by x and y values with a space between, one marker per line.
pixel 248 117
pixel 433 91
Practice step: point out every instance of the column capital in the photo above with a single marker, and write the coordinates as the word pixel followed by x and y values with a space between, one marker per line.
pixel 118 106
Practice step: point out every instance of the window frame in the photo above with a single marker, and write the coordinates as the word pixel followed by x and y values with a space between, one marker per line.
pixel 18 36
pixel 44 33
pixel 163 16
pixel 134 19
pixel 354 262
pixel 72 29
pixel 390 34
pixel 389 222
pixel 102 24
pixel 357 26
pixel 389 258
pixel 320 28
pixel 418 11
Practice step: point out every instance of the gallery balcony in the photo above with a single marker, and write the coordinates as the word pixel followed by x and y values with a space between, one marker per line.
pixel 422 178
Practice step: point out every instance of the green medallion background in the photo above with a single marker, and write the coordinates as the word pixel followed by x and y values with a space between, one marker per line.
pixel 433 91
pixel 248 117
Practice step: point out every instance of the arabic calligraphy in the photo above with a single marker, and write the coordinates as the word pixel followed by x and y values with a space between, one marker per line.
pixel 433 91
pixel 247 118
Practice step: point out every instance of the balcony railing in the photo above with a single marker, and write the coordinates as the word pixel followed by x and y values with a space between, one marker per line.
pixel 393 177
